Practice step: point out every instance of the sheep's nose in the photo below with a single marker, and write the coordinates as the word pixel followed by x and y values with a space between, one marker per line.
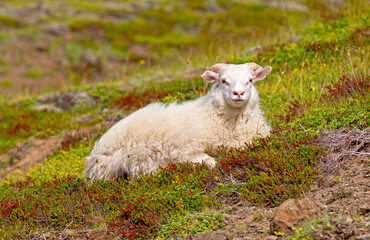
pixel 238 93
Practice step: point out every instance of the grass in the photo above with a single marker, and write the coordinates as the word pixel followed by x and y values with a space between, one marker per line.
pixel 9 22
pixel 319 81
pixel 169 36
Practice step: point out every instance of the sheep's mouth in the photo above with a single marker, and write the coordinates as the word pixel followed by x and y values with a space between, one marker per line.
pixel 238 100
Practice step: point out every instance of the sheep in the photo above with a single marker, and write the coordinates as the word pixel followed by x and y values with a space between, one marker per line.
pixel 229 115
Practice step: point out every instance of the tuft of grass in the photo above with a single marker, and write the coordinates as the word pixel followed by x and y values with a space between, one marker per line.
pixel 34 74
pixel 180 226
pixel 6 83
pixel 10 22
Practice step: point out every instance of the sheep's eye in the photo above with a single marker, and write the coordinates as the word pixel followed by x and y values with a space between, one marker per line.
pixel 223 81
pixel 250 80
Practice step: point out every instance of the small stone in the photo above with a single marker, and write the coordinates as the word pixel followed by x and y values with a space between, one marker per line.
pixel 48 108
pixel 82 119
pixel 68 100
pixel 292 212
pixel 115 117
pixel 84 100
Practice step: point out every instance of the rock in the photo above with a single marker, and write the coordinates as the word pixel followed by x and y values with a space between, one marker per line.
pixel 82 119
pixel 48 108
pixel 111 114
pixel 115 117
pixel 105 111
pixel 63 100
pixel 85 100
pixel 292 212
pixel 67 100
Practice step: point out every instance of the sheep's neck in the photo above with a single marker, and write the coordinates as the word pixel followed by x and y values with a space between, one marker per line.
pixel 232 117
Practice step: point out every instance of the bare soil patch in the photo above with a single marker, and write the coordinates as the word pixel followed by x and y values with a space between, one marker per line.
pixel 26 155
pixel 35 150
pixel 78 234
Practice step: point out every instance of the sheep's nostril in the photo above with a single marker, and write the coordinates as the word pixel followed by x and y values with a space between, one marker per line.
pixel 238 93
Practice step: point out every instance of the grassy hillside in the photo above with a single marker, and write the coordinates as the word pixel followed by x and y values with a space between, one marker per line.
pixel 320 80
pixel 77 42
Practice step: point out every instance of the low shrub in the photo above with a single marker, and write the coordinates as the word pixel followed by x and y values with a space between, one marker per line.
pixel 272 169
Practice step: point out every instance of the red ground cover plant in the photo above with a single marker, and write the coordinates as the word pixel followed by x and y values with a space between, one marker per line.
pixel 137 100
pixel 272 169
pixel 346 86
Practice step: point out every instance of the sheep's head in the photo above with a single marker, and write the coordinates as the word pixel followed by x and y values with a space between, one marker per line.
pixel 236 81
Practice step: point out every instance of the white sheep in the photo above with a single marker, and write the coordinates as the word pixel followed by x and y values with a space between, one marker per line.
pixel 151 137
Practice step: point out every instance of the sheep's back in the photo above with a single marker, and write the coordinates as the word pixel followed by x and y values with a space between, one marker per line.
pixel 158 123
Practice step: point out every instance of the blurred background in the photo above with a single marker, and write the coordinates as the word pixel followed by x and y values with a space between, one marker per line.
pixel 47 45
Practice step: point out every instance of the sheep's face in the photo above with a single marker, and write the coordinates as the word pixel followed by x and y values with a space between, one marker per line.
pixel 236 81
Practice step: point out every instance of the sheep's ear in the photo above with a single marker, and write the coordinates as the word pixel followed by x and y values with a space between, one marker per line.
pixel 217 67
pixel 253 66
pixel 210 76
pixel 261 73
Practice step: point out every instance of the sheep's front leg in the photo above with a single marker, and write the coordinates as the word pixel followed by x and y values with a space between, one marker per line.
pixel 202 157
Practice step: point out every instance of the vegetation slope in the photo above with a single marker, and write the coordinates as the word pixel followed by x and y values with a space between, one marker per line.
pixel 319 81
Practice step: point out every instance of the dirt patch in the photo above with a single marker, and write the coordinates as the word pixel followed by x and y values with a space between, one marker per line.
pixel 35 150
pixel 98 234
pixel 24 156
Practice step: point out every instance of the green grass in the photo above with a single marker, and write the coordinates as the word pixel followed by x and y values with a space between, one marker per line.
pixel 170 36
pixel 34 74
pixel 10 22
pixel 189 223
